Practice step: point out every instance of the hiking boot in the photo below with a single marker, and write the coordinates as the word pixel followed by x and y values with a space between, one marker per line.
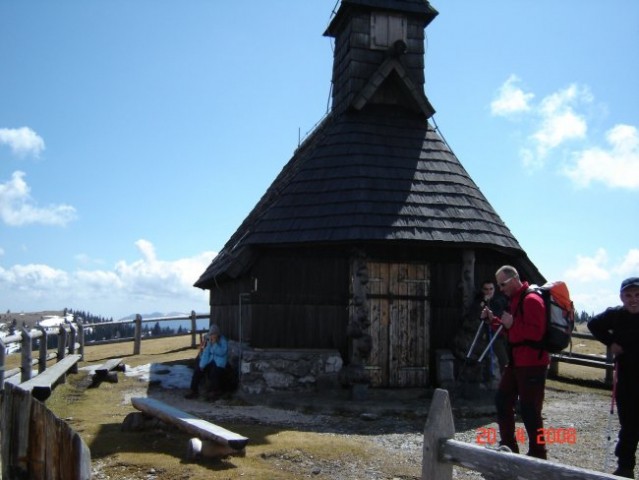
pixel 624 472
pixel 191 395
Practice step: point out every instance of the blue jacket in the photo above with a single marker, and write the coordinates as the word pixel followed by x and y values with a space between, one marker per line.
pixel 215 352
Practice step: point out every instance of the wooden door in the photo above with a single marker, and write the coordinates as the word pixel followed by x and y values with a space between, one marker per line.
pixel 399 315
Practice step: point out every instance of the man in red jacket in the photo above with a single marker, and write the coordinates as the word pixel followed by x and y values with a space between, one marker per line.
pixel 524 377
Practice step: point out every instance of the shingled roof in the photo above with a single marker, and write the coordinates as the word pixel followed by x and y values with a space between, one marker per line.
pixel 373 170
pixel 365 176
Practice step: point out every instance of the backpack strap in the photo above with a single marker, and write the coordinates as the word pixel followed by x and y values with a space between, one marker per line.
pixel 520 307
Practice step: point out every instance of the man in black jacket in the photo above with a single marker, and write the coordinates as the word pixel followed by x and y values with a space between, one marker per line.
pixel 618 328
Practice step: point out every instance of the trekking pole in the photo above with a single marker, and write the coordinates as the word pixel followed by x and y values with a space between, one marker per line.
pixel 472 345
pixel 612 412
pixel 490 344
pixel 460 375
pixel 492 355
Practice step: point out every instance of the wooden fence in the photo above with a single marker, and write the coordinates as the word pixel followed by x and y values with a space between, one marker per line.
pixel 35 444
pixel 594 361
pixel 38 445
pixel 71 338
pixel 138 331
pixel 441 452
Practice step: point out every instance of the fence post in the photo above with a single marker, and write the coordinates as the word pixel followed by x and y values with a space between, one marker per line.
pixel 42 355
pixel 62 342
pixel 78 322
pixel 72 338
pixel 439 427
pixel 3 359
pixel 137 341
pixel 25 346
pixel 193 329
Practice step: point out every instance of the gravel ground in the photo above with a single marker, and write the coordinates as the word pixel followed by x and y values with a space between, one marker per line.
pixel 401 436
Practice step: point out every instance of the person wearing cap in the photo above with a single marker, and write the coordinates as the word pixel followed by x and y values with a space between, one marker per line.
pixel 618 329
pixel 210 363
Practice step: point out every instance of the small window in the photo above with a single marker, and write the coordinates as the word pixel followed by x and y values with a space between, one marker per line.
pixel 386 29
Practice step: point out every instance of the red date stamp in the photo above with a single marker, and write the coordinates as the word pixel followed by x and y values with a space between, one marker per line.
pixel 548 436
pixel 545 436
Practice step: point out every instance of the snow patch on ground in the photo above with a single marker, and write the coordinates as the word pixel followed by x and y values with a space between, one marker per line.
pixel 168 376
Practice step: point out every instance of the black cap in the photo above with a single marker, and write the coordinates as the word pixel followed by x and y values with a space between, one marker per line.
pixel 629 282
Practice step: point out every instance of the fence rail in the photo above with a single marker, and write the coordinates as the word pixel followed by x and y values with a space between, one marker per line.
pixel 35 443
pixel 71 338
pixel 441 451
pixel 585 360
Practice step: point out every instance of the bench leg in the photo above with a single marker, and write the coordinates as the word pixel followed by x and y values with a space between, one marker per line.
pixel 137 421
pixel 198 448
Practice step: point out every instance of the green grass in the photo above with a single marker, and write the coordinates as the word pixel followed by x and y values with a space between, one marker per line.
pixel 97 415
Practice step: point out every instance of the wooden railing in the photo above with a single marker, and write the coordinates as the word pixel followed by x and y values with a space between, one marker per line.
pixel 35 443
pixel 137 336
pixel 71 338
pixel 441 452
pixel 594 361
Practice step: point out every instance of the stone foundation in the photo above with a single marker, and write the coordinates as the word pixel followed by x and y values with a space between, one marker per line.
pixel 265 371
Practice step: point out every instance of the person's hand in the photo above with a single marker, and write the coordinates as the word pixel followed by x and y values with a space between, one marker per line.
pixel 616 349
pixel 487 315
pixel 506 320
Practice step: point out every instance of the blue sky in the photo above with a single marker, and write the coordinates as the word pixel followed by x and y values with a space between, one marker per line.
pixel 136 136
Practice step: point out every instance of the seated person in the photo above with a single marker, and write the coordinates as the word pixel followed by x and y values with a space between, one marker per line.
pixel 210 363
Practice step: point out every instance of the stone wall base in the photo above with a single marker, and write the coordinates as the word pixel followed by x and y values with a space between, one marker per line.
pixel 264 371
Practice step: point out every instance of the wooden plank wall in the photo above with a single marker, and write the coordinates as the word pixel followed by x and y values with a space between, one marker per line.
pixel 38 445
pixel 301 302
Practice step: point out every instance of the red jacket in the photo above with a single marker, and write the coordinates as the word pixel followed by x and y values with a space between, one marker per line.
pixel 529 325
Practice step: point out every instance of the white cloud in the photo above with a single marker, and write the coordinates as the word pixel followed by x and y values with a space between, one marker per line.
pixel 629 266
pixel 17 208
pixel 559 123
pixel 616 167
pixel 145 285
pixel 594 300
pixel 589 269
pixel 511 99
pixel 22 141
pixel 35 279
pixel 552 122
pixel 594 281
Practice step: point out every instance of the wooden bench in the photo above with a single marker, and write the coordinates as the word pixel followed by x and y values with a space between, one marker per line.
pixel 108 371
pixel 42 384
pixel 210 440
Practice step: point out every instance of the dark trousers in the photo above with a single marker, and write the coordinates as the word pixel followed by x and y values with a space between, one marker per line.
pixel 211 372
pixel 627 408
pixel 526 384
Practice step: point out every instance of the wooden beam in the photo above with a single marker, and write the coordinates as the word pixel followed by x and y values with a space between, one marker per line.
pixel 42 384
pixel 189 423
pixel 108 366
pixel 501 464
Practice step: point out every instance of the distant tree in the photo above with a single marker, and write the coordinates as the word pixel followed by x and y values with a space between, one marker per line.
pixel 583 317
